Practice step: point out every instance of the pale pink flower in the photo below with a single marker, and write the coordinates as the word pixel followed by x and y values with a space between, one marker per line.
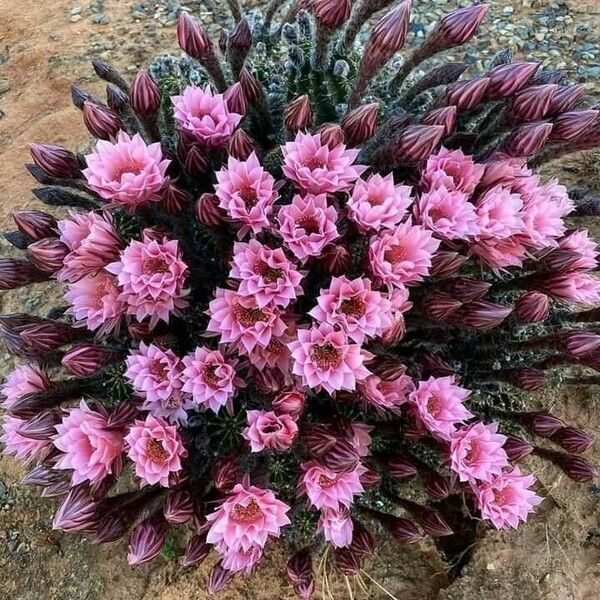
pixel 359 435
pixel 291 403
pixel 476 452
pixel 352 305
pixel 152 275
pixel 500 253
pixel 210 378
pixel 506 499
pixel 90 447
pixel 93 243
pixel 384 395
pixel 246 519
pixel 447 213
pixel 508 171
pixel 23 380
pixel 240 560
pixel 269 431
pixel 266 274
pixel 275 355
pixel 307 225
pixel 402 256
pixel 337 526
pixel 438 402
pixel 378 203
pixel 239 320
pixel 316 167
pixel 127 172
pixel 18 445
pixel 573 288
pixel 579 241
pixel 400 304
pixel 499 214
pixel 205 116
pixel 156 450
pixel 324 358
pixel 453 170
pixel 327 489
pixel 246 193
pixel 96 302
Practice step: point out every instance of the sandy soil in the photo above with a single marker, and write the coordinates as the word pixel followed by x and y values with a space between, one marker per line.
pixel 554 557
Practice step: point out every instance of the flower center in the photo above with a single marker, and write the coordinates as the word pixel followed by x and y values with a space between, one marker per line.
pixel 248 196
pixel 269 274
pixel 248 316
pixel 158 369
pixel 155 451
pixel 472 452
pixel 272 428
pixel 396 253
pixel 326 356
pixel 210 375
pixel 155 265
pixel 248 513
pixel 439 212
pixel 434 405
pixel 309 224
pixel 315 163
pixel 132 167
pixel 501 496
pixel 353 307
pixel 326 482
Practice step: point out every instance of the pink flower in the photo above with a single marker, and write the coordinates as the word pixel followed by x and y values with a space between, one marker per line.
pixel 337 526
pixel 239 320
pixel 358 435
pixel 246 519
pixel 307 225
pixel 18 445
pixel 402 256
pixel 324 358
pixel 476 452
pixel 506 499
pixel 240 560
pixel 573 288
pixel 500 253
pixel 156 450
pixel 377 203
pixel 499 214
pixel 269 431
pixel 453 170
pixel 158 375
pixel 93 243
pixel 439 405
pixel 327 489
pixel 205 116
pixel 96 302
pixel 316 167
pixel 210 378
pixel 91 448
pixel 23 380
pixel 266 274
pixel 275 355
pixel 127 172
pixel 290 403
pixel 400 304
pixel 352 305
pixel 447 213
pixel 385 395
pixel 152 275
pixel 246 193
pixel 579 241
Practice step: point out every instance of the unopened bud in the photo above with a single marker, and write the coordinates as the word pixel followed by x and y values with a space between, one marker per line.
pixel 47 254
pixel 579 343
pixel 445 116
pixel 574 467
pixel 417 142
pixel 218 578
pixel 40 427
pixel 144 95
pixel 570 125
pixel 444 263
pixel 362 541
pixel 466 289
pixel 342 457
pixel 299 567
pixel 528 139
pixel 465 95
pixel 146 540
pixel 319 439
pixel 370 478
pixel 400 468
pixel 332 13
pixel 101 121
pixel 359 124
pixel 528 379
pixel 506 80
pixel 86 359
pixel 516 448
pixel 77 511
pixel 541 423
pixel 458 27
pixel 566 98
pixel 388 35
pixel 331 134
pixel 533 102
pixel 192 38
pixel 196 551
pixel 179 507
pixel 335 259
pixel 572 439
pixel 290 403
pixel 241 145
pixel 347 562
pixel 404 530
pixel 440 306
pixel 35 224
pixel 253 90
pixel 56 161
pixel 174 199
pixel 532 307
pixel 298 114
pixel 226 473
pixel 483 315
pixel 236 99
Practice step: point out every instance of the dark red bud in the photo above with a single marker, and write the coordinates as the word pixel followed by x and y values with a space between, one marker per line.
pixel 40 427
pixel 362 541
pixel 483 315
pixel 528 139
pixel 347 562
pixel 445 263
pixel 566 98
pixel 465 95
pixel 101 121
pixel 506 80
pixel 572 439
pixel 179 507
pixel 236 99
pixel 47 254
pixel 417 142
pixel 76 512
pixel 226 472
pixel 359 124
pixel 192 38
pixel 579 343
pixel 319 439
pixel 146 540
pixel 241 145
pixel 440 306
pixel 174 199
pixel 571 125
pixel 253 90
pixel 298 114
pixel 218 578
pixel 516 448
pixel 196 551
pixel 332 13
pixel 459 26
pixel 342 457
pixel 533 102
pixel 144 95
pixel 532 307
pixel 400 468
pixel 35 224
pixel 445 116
pixel 529 379
pixel 332 135
pixel 208 211
pixel 299 567
pixel 56 161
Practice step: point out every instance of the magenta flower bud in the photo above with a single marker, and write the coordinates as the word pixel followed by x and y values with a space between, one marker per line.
pixel 506 80
pixel 47 254
pixel 144 95
pixel 102 122
pixel 445 263
pixel 192 38
pixel 466 94
pixel 290 403
pixel 347 562
pixel 362 541
pixel 579 343
pixel 298 114
pixel 559 261
pixel 435 365
pixel 389 35
pixel 117 100
pixel 122 415
pixel 146 540
pixel 528 379
pixel 253 90
pixel 459 26
pixel 59 489
pixel 342 457
pixel 174 199
pixel 570 125
pixel 48 335
pixel 572 439
pixel 417 142
pixel 566 98
pixel 17 272
pixel 77 511
pixel 332 13
pixel 516 448
pixel 483 315
pixel 404 530
pixel 240 37
pixel 226 473
pixel 436 486
pixel 208 211
pixel 56 161
pixel 574 467
pixel 195 551
pixel 179 507
pixel 236 99
pixel 331 134
pixel 541 423
pixel 40 427
pixel 400 468
pixel 533 102
pixel 359 124
pixel 299 567
pixel 305 589
pixel 42 475
pixel 445 116
pixel 395 332
pixel 241 145
pixel 319 439
pixel 466 289
pixel 527 139
pixel 532 307
pixel 110 528
pixel 370 478
pixel 35 224
pixel 335 259
pixel 218 578
pixel 195 161
pixel 429 519
pixel 440 306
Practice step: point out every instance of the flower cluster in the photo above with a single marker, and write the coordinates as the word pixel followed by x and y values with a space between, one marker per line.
pixel 276 317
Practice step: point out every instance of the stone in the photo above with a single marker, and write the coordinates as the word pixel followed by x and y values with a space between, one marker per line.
pixel 75 10
pixel 100 19
pixel 4 86
pixel 508 10
pixel 75 18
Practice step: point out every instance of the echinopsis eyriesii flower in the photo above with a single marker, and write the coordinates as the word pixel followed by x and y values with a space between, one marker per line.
pixel 295 276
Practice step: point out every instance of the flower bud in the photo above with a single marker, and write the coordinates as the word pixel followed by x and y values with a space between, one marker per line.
pixel 208 211
pixel 218 578
pixel 331 134
pixel 42 475
pixel 528 379
pixel 117 100
pixel 533 102
pixel 56 161
pixel 194 159
pixel 435 365
pixel 359 124
pixel 445 263
pixel 465 95
pixel 417 142
pixel 305 589
pixel 516 448
pixel 146 540
pixel 241 145
pixel 48 335
pixel 566 98
pixel 76 512
pixel 404 530
pixel 236 99
pixel 445 116
pixel 332 13
pixel 192 37
pixel 579 343
pixel 541 423
pixel 225 472
pixel 466 289
pixel 436 486
pixel 40 427
pixel 35 224
pixel 370 478
pixel 440 306
pixel 144 95
pixel 388 35
pixel 298 114
pixel 362 541
pixel 47 254
pixel 17 272
pixel 572 439
pixel 253 90
pixel 570 125
pixel 174 199
pixel 239 43
pixel 268 381
pixel 532 307
pixel 559 261
pixel 347 562
pixel 527 139
pixel 335 259
pixel 506 80
pixel 319 439
pixel 483 315
pixel 342 457
pixel 109 73
pixel 101 121
pixel 400 468
pixel 458 27
pixel 299 567
pixel 574 467
pixel 196 551
pixel 59 489
pixel 429 519
pixel 290 403
pixel 179 507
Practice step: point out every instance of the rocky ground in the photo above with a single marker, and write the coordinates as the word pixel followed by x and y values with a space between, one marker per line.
pixel 44 47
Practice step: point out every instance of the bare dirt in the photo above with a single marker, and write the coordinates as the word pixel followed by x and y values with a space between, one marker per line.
pixel 554 557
